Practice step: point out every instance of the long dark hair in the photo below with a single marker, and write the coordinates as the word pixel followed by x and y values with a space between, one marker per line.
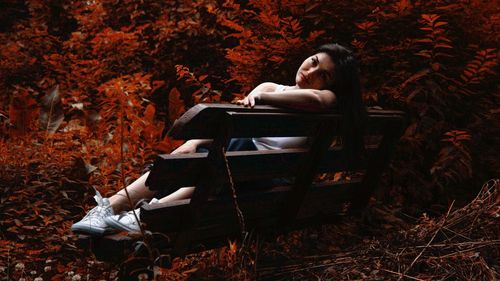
pixel 347 88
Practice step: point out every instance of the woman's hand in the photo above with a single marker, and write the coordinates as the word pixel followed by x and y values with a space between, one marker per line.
pixel 255 96
pixel 251 100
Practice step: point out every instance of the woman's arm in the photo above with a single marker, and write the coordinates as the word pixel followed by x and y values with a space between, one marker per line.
pixel 303 99
pixel 191 145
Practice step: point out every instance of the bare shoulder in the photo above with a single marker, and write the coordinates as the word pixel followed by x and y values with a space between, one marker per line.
pixel 267 87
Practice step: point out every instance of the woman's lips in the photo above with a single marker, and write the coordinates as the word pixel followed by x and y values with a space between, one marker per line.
pixel 304 78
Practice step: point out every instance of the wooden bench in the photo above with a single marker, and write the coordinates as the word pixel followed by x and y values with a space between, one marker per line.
pixel 208 219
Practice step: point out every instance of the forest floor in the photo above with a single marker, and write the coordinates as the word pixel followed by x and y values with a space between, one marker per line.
pixel 44 192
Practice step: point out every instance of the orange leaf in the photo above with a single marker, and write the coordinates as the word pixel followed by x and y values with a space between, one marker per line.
pixel 175 105
pixel 233 247
pixel 192 270
pixel 22 113
pixel 440 23
pixel 149 113
pixel 167 145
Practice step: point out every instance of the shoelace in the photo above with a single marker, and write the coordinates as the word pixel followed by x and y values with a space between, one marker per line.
pixel 102 205
pixel 98 198
pixel 99 210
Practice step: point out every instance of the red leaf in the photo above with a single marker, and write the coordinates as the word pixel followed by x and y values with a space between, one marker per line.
pixel 167 145
pixel 22 113
pixel 175 105
pixel 149 113
pixel 440 23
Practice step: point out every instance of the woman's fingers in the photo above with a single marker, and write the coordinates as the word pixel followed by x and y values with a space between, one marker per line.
pixel 247 101
pixel 251 100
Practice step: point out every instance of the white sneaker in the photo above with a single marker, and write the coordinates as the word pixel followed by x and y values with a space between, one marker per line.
pixel 93 223
pixel 127 221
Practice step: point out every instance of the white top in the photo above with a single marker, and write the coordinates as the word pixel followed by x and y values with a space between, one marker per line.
pixel 273 143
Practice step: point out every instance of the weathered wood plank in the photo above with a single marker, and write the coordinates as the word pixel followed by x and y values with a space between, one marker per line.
pixel 307 170
pixel 219 221
pixel 211 177
pixel 377 163
pixel 201 120
pixel 171 172
pixel 112 248
pixel 264 124
pixel 270 124
pixel 322 199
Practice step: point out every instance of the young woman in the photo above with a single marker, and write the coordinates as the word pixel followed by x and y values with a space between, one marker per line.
pixel 326 79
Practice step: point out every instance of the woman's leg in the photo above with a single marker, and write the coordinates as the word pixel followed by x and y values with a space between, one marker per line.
pixel 136 190
pixel 101 219
pixel 182 193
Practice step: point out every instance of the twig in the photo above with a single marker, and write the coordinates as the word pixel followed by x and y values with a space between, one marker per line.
pixel 241 219
pixel 456 233
pixel 456 253
pixel 428 243
pixel 293 268
pixel 401 275
pixel 122 176
pixel 8 264
pixel 464 243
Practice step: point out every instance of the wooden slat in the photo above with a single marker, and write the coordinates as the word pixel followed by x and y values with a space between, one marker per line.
pixel 202 120
pixel 307 169
pixel 112 248
pixel 219 221
pixel 269 124
pixel 211 177
pixel 377 163
pixel 324 198
pixel 171 172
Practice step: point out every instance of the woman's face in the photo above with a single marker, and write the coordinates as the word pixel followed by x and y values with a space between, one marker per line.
pixel 316 72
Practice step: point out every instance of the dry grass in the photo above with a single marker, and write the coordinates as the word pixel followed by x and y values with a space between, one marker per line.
pixel 462 244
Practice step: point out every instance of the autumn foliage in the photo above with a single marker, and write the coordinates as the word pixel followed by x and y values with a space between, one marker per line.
pixel 89 88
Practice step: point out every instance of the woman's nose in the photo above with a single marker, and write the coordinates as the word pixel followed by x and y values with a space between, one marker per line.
pixel 312 70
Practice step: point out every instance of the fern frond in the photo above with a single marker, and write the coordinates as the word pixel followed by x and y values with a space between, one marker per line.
pixel 454 163
pixel 436 44
pixel 480 67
